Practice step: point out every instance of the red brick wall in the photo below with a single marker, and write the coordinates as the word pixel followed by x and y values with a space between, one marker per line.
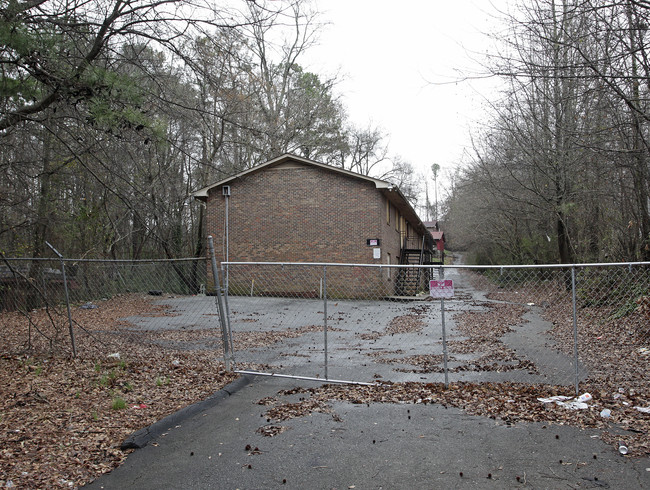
pixel 390 236
pixel 302 213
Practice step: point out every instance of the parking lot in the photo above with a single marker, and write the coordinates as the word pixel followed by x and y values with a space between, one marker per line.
pixel 367 340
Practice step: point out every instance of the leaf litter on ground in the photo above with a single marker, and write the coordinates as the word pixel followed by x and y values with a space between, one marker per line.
pixel 60 428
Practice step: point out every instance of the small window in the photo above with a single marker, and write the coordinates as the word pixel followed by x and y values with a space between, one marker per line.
pixel 387 212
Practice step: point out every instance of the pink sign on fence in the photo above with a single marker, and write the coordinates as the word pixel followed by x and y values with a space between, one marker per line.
pixel 441 289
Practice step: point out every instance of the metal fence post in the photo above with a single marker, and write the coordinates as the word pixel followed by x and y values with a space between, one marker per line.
pixel 444 334
pixel 228 329
pixel 575 327
pixel 220 307
pixel 67 298
pixel 325 315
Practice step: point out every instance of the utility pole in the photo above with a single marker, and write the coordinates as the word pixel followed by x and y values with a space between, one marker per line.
pixel 428 203
pixel 435 168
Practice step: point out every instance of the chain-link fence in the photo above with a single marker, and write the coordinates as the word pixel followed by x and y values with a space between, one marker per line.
pixel 139 308
pixel 560 325
pixel 543 324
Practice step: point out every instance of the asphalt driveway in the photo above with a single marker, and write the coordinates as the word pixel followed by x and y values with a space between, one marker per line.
pixel 367 447
pixel 220 443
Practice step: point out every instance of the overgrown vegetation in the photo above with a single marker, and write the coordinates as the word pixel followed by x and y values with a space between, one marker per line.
pixel 112 113
pixel 560 171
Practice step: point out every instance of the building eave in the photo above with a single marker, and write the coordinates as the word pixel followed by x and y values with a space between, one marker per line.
pixel 399 200
pixel 202 194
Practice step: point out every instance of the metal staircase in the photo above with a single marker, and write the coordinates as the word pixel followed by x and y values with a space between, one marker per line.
pixel 412 280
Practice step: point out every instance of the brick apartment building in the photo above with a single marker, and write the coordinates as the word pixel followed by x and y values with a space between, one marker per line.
pixel 291 209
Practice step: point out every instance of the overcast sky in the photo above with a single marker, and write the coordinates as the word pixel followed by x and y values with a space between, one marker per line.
pixel 389 53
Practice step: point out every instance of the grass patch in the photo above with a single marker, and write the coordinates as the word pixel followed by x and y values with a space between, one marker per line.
pixel 118 404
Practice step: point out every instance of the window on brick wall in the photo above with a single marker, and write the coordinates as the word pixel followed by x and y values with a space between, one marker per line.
pixel 387 212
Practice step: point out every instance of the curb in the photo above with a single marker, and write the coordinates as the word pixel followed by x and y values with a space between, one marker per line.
pixel 144 436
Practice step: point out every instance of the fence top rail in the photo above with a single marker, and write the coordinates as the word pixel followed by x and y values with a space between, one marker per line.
pixel 434 266
pixel 125 261
pixel 339 264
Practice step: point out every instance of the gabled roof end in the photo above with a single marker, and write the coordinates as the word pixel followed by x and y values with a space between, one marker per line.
pixel 202 194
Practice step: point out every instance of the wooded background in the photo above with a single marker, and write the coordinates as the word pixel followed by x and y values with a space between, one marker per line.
pixel 112 112
pixel 559 173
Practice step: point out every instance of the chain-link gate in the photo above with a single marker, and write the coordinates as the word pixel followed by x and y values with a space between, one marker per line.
pixel 524 324
pixel 557 325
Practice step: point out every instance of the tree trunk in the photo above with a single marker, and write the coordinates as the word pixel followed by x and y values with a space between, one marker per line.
pixel 199 252
pixel 44 217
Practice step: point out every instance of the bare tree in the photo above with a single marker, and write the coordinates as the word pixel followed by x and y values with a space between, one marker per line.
pixel 568 140
pixel 103 120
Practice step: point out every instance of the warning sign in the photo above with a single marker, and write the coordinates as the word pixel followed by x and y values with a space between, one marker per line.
pixel 441 289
